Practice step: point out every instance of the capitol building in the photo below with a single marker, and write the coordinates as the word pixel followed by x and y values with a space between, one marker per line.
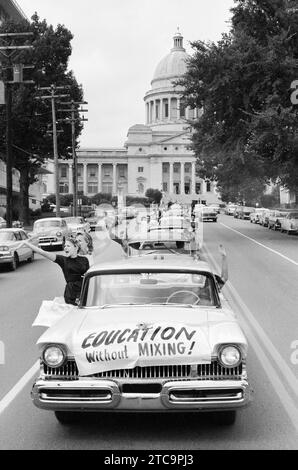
pixel 156 154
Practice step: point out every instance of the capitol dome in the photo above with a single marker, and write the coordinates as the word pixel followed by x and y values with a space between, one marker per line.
pixel 165 109
pixel 173 65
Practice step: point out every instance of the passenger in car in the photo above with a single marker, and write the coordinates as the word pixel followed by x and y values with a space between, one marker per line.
pixel 72 265
pixel 86 247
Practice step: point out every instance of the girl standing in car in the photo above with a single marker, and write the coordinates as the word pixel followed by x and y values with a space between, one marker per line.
pixel 73 266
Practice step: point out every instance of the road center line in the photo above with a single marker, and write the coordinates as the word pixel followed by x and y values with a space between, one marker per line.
pixel 270 368
pixel 261 244
pixel 12 394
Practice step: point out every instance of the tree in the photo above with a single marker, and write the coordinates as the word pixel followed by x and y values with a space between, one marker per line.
pixel 30 117
pixel 154 195
pixel 248 129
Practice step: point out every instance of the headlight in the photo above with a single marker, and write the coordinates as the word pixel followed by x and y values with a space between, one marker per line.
pixel 229 356
pixel 4 248
pixel 54 356
pixel 59 234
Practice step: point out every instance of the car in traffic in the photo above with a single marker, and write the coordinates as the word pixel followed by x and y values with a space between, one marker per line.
pixel 150 334
pixel 77 224
pixel 215 207
pixel 175 222
pixel 230 209
pixel 51 232
pixel 275 218
pixel 207 213
pixel 289 224
pixel 163 240
pixel 244 212
pixel 11 253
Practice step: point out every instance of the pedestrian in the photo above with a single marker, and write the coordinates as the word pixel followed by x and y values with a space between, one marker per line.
pixel 73 266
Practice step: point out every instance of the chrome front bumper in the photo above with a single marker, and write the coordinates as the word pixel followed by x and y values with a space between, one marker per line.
pixel 106 395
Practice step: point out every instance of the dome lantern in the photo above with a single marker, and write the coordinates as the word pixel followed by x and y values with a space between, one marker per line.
pixel 178 41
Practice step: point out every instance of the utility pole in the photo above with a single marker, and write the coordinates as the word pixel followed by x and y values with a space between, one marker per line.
pixel 53 89
pixel 10 51
pixel 74 109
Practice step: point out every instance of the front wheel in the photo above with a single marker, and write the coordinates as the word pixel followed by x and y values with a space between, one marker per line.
pixel 224 418
pixel 67 417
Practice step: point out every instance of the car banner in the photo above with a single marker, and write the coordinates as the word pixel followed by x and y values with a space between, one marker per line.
pixel 126 346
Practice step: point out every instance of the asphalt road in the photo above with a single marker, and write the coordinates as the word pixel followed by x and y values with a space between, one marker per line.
pixel 262 288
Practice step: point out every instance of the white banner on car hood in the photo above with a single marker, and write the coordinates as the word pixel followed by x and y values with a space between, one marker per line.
pixel 125 346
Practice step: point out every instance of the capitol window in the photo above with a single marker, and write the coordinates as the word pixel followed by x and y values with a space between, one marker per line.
pixel 141 169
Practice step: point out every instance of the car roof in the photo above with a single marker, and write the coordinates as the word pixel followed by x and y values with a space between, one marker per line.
pixel 155 261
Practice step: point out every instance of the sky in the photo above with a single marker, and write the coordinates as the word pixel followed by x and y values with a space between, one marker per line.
pixel 116 47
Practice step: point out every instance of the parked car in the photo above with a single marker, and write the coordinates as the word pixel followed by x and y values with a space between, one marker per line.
pixel 77 224
pixel 149 335
pixel 244 212
pixel 274 219
pixel 51 232
pixel 3 223
pixel 10 252
pixel 230 209
pixel 264 217
pixel 256 214
pixel 236 212
pixel 289 223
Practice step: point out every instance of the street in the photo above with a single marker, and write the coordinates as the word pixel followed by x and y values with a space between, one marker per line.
pixel 262 289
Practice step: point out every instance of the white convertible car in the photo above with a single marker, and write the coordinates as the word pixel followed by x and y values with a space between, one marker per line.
pixel 151 334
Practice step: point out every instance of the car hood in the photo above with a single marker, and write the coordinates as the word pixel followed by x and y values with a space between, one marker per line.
pixel 93 335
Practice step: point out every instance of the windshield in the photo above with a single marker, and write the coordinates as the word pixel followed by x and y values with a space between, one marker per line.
pixel 74 220
pixel 147 288
pixel 46 224
pixel 6 236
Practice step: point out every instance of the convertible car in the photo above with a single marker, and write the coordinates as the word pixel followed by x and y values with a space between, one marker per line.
pixel 150 334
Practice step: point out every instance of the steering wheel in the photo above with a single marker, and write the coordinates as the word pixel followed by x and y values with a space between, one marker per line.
pixel 183 292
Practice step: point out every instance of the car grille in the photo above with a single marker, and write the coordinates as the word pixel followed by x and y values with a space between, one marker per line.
pixel 47 239
pixel 213 371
